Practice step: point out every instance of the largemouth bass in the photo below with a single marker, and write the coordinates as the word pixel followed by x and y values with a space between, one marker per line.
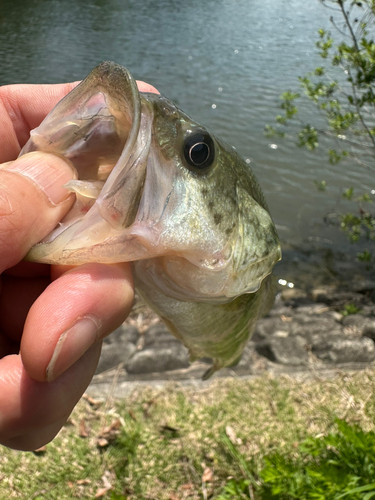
pixel 156 189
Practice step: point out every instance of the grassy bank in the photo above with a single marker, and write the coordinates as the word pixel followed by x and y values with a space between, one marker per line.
pixel 181 443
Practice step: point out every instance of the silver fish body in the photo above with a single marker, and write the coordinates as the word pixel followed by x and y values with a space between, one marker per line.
pixel 156 189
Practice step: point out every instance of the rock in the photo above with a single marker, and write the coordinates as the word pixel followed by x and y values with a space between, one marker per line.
pixel 115 354
pixel 323 294
pixel 163 359
pixel 298 302
pixel 362 325
pixel 286 351
pixel 282 334
pixel 314 328
pixel 328 336
pixel 281 310
pixel 118 347
pixel 293 293
pixel 331 296
pixel 363 286
pixel 318 313
pixel 305 321
pixel 345 350
pixel 337 316
pixel 268 326
pixel 312 310
pixel 353 320
pixel 368 310
pixel 368 329
pixel 125 333
pixel 158 335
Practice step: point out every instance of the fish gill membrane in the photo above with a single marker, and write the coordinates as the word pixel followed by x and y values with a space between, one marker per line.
pixel 156 189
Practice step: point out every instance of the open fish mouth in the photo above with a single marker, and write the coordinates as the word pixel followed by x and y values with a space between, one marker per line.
pixel 100 128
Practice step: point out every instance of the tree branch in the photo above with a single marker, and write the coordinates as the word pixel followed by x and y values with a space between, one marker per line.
pixel 341 4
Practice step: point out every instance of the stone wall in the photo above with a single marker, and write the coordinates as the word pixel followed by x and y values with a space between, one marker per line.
pixel 304 331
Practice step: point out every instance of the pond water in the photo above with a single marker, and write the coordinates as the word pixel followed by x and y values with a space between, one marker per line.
pixel 223 62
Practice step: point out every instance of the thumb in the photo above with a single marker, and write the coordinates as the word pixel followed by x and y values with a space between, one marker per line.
pixel 32 202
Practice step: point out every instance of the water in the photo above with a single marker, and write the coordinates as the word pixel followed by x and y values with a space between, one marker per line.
pixel 223 62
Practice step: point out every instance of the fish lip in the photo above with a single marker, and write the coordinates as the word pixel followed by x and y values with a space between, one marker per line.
pixel 120 199
pixel 119 72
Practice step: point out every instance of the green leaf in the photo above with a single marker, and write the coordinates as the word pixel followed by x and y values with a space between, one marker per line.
pixel 321 185
pixel 319 71
pixel 360 489
pixel 308 136
pixel 365 198
pixel 348 193
pixel 334 156
pixel 364 256
pixel 350 309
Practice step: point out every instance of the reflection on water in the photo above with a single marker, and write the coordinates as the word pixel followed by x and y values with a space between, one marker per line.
pixel 225 63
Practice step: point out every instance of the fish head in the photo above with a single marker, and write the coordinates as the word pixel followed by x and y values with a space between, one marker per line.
pixel 155 188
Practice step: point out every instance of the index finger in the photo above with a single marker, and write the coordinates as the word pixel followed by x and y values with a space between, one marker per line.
pixel 23 107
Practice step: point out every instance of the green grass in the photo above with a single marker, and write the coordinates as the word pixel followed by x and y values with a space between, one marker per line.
pixel 258 439
pixel 332 467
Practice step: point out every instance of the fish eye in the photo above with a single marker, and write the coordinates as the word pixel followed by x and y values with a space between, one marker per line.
pixel 199 150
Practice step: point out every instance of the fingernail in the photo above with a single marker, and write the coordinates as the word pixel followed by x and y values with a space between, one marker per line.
pixel 72 344
pixel 50 172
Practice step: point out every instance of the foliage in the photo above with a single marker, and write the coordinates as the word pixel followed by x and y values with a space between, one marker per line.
pixel 332 467
pixel 343 90
pixel 350 309
pixel 341 464
pixel 236 490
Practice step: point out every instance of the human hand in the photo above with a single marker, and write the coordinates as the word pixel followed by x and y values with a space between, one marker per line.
pixel 52 318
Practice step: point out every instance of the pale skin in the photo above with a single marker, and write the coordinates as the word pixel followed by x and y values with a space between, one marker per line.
pixel 40 304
